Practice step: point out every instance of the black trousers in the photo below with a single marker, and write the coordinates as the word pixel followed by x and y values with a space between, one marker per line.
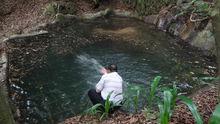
pixel 97 98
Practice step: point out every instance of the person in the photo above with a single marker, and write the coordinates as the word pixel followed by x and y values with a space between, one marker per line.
pixel 109 84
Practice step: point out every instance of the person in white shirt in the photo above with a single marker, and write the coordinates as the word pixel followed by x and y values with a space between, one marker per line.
pixel 110 83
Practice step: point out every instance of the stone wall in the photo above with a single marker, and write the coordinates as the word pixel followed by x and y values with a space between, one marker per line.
pixel 197 31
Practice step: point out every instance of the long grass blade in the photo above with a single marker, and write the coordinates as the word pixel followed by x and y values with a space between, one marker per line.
pixel 165 109
pixel 215 119
pixel 94 109
pixel 153 88
pixel 192 108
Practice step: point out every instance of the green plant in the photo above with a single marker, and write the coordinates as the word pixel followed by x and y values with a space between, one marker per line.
pixel 102 110
pixel 169 102
pixel 51 9
pixel 107 106
pixel 192 108
pixel 174 96
pixel 135 100
pixel 198 9
pixel 165 109
pixel 153 88
pixel 146 7
pixel 215 119
pixel 94 109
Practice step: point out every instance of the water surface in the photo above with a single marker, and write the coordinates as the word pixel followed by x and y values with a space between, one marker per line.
pixel 141 52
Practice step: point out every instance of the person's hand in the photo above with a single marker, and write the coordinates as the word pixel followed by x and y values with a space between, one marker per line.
pixel 103 71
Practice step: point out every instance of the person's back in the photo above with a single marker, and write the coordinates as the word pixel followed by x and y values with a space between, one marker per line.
pixel 112 84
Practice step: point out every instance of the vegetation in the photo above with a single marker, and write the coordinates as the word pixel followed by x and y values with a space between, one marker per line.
pixel 102 110
pixel 154 86
pixel 166 105
pixel 165 109
pixel 146 7
pixel 51 9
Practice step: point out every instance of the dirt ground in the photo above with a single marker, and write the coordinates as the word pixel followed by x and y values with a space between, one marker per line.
pixel 19 16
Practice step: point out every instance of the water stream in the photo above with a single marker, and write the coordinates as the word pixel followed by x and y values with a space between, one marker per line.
pixel 60 89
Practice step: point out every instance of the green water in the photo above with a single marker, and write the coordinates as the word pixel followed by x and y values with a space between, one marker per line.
pixel 59 90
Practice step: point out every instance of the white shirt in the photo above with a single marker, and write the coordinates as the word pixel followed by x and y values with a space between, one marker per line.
pixel 111 82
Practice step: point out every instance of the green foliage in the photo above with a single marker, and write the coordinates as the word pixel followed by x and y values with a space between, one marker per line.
pixel 146 7
pixel 133 94
pixel 199 9
pixel 108 105
pixel 51 9
pixel 98 108
pixel 153 88
pixel 135 100
pixel 175 95
pixel 165 109
pixel 94 109
pixel 215 119
pixel 192 108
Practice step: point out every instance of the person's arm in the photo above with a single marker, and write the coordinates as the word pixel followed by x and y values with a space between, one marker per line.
pixel 100 85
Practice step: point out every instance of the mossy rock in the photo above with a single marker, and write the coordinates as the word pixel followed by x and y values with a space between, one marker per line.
pixel 60 7
pixel 51 9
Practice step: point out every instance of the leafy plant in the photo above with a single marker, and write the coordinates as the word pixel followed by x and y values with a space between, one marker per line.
pixel 215 119
pixel 51 9
pixel 94 109
pixel 169 99
pixel 198 9
pixel 146 7
pixel 153 88
pixel 102 110
pixel 135 100
pixel 108 105
pixel 192 108
pixel 165 109
pixel 175 95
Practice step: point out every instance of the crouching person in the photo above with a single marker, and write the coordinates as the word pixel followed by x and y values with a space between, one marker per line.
pixel 110 84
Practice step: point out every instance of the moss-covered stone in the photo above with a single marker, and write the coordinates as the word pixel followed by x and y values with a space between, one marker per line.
pixel 51 9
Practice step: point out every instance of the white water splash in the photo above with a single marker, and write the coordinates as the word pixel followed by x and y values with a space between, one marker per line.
pixel 89 62
pixel 90 69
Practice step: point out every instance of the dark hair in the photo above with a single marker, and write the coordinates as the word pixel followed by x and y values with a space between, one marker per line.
pixel 112 67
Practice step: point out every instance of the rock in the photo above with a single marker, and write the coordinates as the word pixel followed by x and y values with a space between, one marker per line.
pixel 124 13
pixel 166 17
pixel 96 15
pixel 205 40
pixel 175 28
pixel 187 30
pixel 51 9
pixel 65 7
pixel 151 19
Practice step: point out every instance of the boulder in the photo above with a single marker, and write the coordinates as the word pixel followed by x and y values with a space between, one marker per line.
pixel 175 28
pixel 205 40
pixel 151 19
pixel 166 17
pixel 186 30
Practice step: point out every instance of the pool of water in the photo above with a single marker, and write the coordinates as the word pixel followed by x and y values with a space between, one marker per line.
pixel 141 52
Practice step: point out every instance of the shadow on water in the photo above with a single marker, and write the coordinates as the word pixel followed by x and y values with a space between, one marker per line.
pixel 60 89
